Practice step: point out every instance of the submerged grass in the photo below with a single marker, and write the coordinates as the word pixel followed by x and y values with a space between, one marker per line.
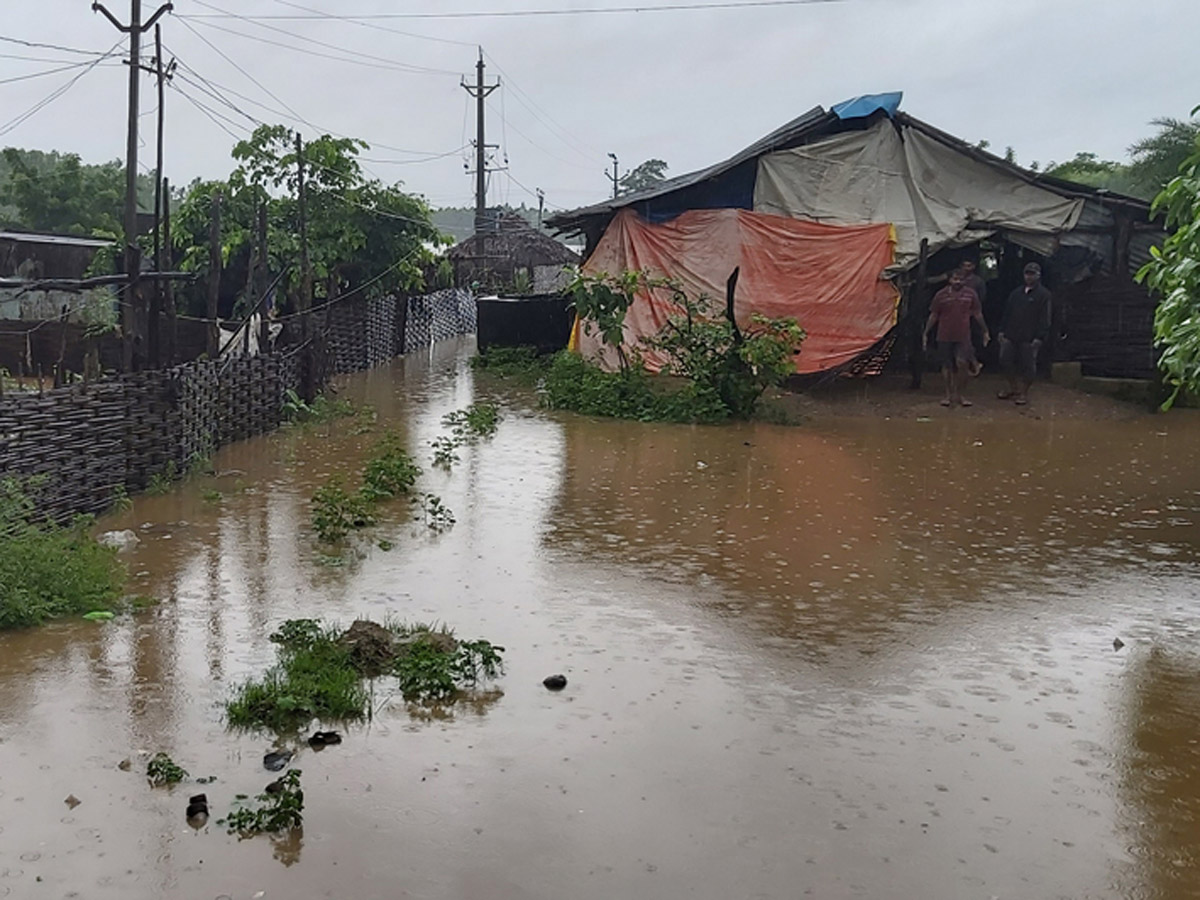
pixel 321 670
pixel 48 571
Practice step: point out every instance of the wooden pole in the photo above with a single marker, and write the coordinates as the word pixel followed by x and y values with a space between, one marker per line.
pixel 262 273
pixel 167 287
pixel 214 275
pixel 917 311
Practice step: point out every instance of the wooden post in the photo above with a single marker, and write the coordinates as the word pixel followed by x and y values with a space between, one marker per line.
pixel 917 311
pixel 263 275
pixel 167 288
pixel 214 275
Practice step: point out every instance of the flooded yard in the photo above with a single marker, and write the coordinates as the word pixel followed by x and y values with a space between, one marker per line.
pixel 865 657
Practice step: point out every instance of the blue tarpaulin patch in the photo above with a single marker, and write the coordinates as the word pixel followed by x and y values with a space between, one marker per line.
pixel 861 107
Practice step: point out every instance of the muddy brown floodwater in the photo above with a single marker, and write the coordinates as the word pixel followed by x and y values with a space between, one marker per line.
pixel 862 658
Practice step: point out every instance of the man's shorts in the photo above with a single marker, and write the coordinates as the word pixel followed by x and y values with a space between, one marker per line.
pixel 1018 358
pixel 954 355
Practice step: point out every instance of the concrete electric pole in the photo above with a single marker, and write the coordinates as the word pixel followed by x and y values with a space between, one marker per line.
pixel 614 178
pixel 479 90
pixel 133 318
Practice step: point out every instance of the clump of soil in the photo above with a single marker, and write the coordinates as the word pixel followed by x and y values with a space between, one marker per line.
pixel 372 647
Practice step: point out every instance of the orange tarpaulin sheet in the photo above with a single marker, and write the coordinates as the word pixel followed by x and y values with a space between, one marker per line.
pixel 827 277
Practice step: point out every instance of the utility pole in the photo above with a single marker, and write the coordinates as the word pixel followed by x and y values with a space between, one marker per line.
pixel 541 195
pixel 132 318
pixel 214 276
pixel 162 74
pixel 613 177
pixel 479 90
pixel 305 270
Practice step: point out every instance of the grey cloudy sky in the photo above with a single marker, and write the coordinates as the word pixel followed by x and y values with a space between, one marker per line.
pixel 1048 77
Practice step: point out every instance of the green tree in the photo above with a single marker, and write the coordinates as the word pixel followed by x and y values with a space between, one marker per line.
pixel 1173 272
pixel 362 234
pixel 1090 169
pixel 649 174
pixel 1158 158
pixel 59 193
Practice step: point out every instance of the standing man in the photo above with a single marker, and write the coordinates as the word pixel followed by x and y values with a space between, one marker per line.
pixel 1023 330
pixel 953 309
pixel 973 280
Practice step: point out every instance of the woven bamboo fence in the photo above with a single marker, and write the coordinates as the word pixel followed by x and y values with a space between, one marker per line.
pixel 89 442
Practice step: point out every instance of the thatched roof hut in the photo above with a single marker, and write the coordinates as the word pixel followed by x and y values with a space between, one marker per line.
pixel 515 256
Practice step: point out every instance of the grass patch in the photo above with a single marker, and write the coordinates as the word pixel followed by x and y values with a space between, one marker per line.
pixel 520 363
pixel 279 808
pixel 322 410
pixel 571 383
pixel 321 670
pixel 47 571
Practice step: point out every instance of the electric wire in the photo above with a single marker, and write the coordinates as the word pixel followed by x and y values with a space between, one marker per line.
pixel 300 37
pixel 23 117
pixel 318 14
pixel 523 13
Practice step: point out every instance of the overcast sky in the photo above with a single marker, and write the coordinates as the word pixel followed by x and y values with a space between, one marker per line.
pixel 1048 77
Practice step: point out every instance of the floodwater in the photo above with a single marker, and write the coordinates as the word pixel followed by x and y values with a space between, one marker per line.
pixel 861 658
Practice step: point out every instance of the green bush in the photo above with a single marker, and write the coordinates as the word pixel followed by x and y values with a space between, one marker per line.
pixel 390 471
pixel 279 808
pixel 47 571
pixel 707 349
pixel 336 512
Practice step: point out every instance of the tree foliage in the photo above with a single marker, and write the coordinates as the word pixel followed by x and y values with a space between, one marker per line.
pixel 59 193
pixel 649 174
pixel 363 235
pixel 1174 273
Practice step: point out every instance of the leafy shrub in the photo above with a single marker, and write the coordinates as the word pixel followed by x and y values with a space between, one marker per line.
pixel 162 770
pixel 1173 272
pixel 336 512
pixel 47 571
pixel 280 808
pixel 727 370
pixel 709 350
pixel 390 471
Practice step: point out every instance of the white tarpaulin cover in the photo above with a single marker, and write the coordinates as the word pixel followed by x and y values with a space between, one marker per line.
pixel 907 178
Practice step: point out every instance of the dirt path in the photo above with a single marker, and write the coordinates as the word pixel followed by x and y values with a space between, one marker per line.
pixel 889 396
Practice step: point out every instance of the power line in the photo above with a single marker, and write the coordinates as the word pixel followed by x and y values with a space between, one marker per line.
pixel 544 118
pixel 44 72
pixel 215 87
pixel 41 46
pixel 300 37
pixel 222 121
pixel 318 14
pixel 55 94
pixel 519 13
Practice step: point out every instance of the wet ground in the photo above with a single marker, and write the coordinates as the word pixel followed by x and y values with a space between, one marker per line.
pixel 866 657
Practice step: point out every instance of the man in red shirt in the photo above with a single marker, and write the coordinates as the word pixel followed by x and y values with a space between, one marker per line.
pixel 952 311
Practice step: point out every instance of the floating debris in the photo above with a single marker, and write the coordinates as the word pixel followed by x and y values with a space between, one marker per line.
pixel 555 682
